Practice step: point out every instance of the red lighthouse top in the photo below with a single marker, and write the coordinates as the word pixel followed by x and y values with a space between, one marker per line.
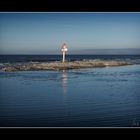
pixel 64 48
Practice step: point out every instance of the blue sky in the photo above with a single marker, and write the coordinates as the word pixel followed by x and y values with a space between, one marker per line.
pixel 38 33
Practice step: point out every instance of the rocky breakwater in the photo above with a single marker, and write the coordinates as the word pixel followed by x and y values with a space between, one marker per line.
pixel 58 65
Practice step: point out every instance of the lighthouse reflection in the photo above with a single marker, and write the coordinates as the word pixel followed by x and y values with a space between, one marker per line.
pixel 64 81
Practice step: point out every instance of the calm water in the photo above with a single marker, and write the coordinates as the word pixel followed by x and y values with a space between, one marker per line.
pixel 46 58
pixel 98 97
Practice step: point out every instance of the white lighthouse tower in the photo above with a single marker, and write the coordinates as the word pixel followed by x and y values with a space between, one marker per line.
pixel 64 49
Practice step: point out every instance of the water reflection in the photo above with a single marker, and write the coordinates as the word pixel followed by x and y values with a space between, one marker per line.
pixel 64 81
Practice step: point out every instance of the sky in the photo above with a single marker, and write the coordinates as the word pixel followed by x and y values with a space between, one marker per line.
pixel 43 33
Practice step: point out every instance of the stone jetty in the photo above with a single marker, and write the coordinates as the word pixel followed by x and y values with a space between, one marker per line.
pixel 58 65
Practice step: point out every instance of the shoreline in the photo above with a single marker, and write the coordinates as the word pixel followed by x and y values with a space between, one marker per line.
pixel 58 65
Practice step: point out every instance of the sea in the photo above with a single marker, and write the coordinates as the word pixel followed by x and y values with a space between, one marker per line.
pixel 90 97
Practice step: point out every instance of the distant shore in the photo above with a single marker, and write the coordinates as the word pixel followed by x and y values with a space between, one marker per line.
pixel 58 65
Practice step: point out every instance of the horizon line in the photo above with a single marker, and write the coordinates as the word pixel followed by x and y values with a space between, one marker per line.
pixel 71 54
pixel 70 12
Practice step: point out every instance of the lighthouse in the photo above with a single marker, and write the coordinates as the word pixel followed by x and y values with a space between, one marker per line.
pixel 64 49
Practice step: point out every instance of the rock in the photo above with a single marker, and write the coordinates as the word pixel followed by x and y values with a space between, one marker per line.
pixel 29 66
